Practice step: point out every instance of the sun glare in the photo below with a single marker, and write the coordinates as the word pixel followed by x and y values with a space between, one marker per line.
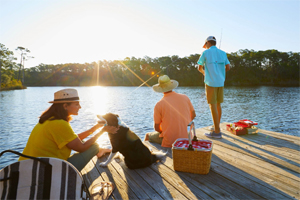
pixel 99 99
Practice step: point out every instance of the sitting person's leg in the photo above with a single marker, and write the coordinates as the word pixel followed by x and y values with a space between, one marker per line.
pixel 153 137
pixel 102 152
pixel 79 160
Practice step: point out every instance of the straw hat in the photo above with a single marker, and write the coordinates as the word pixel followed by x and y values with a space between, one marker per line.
pixel 164 84
pixel 65 96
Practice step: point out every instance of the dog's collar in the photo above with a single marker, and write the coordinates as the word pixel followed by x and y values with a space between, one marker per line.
pixel 101 118
pixel 119 121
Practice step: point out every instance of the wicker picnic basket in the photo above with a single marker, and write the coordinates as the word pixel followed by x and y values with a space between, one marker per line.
pixel 194 158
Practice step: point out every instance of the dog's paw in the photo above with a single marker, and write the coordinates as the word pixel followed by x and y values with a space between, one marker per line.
pixel 103 164
pixel 160 155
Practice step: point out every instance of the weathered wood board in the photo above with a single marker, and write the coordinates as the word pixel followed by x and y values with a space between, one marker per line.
pixel 265 165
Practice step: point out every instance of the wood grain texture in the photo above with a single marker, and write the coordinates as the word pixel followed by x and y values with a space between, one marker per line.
pixel 265 165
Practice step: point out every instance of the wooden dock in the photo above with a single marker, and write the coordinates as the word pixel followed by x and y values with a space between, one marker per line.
pixel 260 166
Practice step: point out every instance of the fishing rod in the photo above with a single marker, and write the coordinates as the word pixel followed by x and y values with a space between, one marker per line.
pixel 221 38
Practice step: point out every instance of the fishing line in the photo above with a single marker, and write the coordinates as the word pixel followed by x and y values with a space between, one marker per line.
pixel 144 82
pixel 133 72
pixel 221 38
pixel 147 81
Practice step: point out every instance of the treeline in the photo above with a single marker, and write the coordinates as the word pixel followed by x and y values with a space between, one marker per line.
pixel 128 72
pixel 8 70
pixel 248 67
pixel 269 67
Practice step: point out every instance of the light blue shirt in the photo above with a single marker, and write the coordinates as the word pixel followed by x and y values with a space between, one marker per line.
pixel 214 61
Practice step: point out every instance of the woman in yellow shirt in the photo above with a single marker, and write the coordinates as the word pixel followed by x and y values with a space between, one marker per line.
pixel 54 137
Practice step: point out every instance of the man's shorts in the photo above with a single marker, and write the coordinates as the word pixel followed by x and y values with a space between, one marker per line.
pixel 154 137
pixel 214 95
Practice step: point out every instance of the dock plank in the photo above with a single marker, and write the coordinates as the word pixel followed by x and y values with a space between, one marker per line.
pixel 281 136
pixel 268 151
pixel 137 183
pixel 269 137
pixel 282 179
pixel 259 187
pixel 200 188
pixel 236 151
pixel 259 166
pixel 111 174
pixel 214 182
pixel 252 150
pixel 162 185
pixel 285 184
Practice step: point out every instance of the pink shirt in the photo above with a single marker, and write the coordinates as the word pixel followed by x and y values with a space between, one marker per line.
pixel 173 113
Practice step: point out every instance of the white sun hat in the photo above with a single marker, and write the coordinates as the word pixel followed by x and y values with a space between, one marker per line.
pixel 165 84
pixel 65 96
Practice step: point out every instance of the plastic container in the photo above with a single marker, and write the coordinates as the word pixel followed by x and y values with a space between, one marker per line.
pixel 237 128
pixel 248 122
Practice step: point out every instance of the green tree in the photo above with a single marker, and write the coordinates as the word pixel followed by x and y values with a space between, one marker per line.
pixel 23 51
pixel 7 66
pixel 248 67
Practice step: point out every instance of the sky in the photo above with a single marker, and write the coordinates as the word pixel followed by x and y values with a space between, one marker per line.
pixel 84 31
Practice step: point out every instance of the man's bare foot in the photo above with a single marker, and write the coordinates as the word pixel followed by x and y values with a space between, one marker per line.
pixel 102 152
pixel 146 137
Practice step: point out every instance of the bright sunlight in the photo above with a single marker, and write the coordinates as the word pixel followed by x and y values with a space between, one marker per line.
pixel 99 99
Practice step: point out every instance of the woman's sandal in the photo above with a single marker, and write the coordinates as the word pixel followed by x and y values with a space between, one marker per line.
pixel 102 190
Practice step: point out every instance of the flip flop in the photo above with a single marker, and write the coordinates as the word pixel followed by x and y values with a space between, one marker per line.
pixel 102 190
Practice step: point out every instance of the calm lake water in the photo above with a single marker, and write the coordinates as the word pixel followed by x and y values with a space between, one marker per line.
pixel 274 108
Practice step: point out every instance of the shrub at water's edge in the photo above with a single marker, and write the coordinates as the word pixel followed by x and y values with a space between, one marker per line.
pixel 10 72
pixel 12 85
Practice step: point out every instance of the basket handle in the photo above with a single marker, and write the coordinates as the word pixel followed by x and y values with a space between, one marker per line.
pixel 191 132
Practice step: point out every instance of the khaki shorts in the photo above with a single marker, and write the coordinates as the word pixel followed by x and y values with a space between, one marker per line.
pixel 154 137
pixel 214 95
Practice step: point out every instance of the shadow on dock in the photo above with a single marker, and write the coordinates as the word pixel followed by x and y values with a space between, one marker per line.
pixel 260 166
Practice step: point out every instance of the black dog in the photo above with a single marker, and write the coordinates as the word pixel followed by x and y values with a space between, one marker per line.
pixel 136 154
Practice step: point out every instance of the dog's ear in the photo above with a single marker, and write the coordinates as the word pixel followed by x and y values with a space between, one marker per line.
pixel 117 115
pixel 112 119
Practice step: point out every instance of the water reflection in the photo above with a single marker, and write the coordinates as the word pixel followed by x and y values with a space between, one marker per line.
pixel 97 98
pixel 274 108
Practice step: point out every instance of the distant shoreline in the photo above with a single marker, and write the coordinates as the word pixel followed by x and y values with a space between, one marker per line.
pixel 202 85
pixel 247 68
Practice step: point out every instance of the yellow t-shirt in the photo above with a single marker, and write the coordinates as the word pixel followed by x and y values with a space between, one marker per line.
pixel 49 140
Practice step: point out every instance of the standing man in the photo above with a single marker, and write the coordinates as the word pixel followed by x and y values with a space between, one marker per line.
pixel 172 114
pixel 215 64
